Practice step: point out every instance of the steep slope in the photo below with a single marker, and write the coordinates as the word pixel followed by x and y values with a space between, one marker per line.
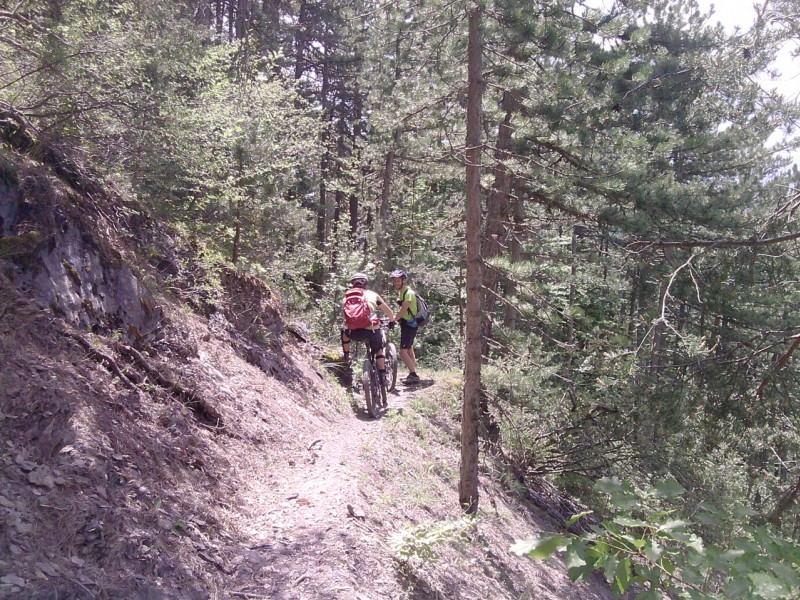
pixel 154 448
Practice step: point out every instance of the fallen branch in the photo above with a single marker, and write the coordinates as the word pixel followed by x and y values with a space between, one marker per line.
pixel 103 358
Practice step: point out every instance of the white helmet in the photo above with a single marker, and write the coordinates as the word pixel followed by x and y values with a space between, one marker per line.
pixel 359 280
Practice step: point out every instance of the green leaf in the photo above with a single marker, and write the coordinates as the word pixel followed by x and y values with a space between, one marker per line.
pixel 690 540
pixel 574 518
pixel 610 568
pixel 577 560
pixel 672 525
pixel 629 522
pixel 740 512
pixel 722 561
pixel 737 587
pixel 635 542
pixel 653 551
pixel 667 489
pixel 622 577
pixel 540 548
pixel 786 573
pixel 610 485
pixel 767 586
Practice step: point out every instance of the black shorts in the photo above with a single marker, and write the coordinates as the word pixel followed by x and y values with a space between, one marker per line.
pixel 374 337
pixel 407 334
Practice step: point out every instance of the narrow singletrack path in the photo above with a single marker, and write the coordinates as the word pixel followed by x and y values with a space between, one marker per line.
pixel 311 538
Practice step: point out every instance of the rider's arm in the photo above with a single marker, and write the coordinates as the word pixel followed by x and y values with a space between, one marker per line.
pixel 385 308
pixel 403 310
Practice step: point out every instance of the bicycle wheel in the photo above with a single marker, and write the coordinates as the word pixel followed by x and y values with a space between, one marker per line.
pixel 382 387
pixel 370 397
pixel 391 366
pixel 356 356
pixel 378 391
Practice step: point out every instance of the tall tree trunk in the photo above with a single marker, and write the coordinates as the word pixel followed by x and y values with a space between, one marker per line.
pixel 388 167
pixel 300 43
pixel 243 10
pixel 237 235
pixel 386 186
pixel 571 391
pixel 219 16
pixel 496 228
pixel 468 483
pixel 515 250
pixel 322 208
pixel 358 130
pixel 231 21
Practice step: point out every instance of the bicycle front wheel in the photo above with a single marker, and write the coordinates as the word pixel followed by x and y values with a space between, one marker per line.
pixel 368 381
pixel 391 366
pixel 382 387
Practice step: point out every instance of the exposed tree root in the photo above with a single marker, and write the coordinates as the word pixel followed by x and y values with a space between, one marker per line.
pixel 205 412
pixel 103 359
pixel 190 398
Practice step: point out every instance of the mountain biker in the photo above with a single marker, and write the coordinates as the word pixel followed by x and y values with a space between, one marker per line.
pixel 407 299
pixel 371 333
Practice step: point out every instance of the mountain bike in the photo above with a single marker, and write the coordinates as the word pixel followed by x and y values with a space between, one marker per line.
pixel 374 389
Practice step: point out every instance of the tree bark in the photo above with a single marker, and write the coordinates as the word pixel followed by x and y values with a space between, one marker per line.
pixel 515 250
pixel 468 483
pixel 322 208
pixel 785 502
pixel 495 238
pixel 388 167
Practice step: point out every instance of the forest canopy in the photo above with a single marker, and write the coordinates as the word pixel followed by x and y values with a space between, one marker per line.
pixel 638 221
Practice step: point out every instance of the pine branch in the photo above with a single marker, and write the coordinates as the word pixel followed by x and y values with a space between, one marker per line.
pixel 713 244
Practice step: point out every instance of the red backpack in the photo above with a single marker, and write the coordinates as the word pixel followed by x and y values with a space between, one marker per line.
pixel 357 314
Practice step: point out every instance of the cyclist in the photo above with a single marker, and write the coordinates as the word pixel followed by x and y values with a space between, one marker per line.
pixel 407 299
pixel 358 298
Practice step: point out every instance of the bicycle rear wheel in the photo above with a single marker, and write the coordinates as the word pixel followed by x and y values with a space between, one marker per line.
pixel 391 366
pixel 371 398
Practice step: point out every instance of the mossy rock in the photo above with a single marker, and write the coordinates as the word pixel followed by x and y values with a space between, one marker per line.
pixel 20 245
pixel 8 172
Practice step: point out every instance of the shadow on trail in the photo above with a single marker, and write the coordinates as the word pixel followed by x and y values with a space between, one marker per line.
pixel 312 560
pixel 410 388
pixel 359 408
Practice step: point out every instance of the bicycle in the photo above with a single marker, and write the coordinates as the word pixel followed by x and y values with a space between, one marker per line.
pixel 375 390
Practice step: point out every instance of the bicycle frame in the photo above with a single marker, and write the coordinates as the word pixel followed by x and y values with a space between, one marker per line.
pixel 375 390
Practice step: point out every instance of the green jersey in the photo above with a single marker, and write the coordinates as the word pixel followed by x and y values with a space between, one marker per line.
pixel 410 296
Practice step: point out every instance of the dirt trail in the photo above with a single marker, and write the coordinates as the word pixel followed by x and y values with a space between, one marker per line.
pixel 321 523
pixel 310 528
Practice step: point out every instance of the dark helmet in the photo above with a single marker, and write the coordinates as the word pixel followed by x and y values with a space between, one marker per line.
pixel 359 280
pixel 398 273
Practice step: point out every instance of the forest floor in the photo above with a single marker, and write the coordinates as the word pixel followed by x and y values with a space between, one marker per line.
pixel 273 483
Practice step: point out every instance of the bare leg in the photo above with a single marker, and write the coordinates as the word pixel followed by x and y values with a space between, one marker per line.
pixel 345 344
pixel 409 359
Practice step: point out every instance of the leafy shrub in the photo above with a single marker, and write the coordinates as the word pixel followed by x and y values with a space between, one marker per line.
pixel 654 555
